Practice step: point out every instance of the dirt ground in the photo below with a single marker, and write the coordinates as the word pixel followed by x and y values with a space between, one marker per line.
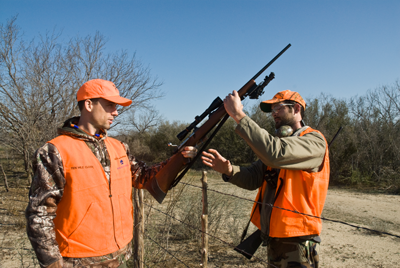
pixel 345 246
pixel 342 245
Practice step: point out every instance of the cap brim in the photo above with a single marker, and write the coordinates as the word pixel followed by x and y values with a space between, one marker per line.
pixel 265 106
pixel 118 100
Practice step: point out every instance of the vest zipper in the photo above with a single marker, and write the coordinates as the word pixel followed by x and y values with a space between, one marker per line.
pixel 112 208
pixel 279 189
pixel 111 201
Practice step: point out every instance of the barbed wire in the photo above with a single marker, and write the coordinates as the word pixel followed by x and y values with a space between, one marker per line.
pixel 145 264
pixel 28 249
pixel 297 212
pixel 165 249
pixel 9 224
pixel 213 236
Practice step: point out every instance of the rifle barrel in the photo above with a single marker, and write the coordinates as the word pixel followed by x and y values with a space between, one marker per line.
pixel 269 63
pixel 337 133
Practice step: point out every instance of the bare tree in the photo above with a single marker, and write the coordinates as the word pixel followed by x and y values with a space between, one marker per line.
pixel 145 121
pixel 377 120
pixel 39 81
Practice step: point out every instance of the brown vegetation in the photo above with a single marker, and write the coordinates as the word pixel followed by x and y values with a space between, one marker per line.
pixel 39 80
pixel 342 246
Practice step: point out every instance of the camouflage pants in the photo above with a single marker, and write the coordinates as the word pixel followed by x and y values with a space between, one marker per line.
pixel 76 263
pixel 293 252
pixel 117 259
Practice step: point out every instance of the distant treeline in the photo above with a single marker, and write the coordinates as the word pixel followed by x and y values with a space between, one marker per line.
pixel 365 154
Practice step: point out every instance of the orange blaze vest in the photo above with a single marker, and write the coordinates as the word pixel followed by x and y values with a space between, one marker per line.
pixel 94 217
pixel 300 191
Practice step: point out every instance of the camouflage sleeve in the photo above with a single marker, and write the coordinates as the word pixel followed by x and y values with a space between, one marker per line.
pixel 141 173
pixel 45 193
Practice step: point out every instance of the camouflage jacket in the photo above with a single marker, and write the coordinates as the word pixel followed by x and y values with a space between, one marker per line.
pixel 47 190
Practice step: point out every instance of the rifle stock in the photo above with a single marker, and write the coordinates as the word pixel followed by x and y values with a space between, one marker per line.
pixel 250 245
pixel 159 186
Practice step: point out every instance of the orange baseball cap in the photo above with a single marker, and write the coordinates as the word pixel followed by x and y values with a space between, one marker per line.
pixel 282 96
pixel 99 88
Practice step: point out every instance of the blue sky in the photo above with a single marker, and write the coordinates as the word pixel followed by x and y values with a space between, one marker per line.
pixel 204 49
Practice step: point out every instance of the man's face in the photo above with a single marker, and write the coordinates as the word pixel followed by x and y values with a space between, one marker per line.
pixel 283 115
pixel 103 114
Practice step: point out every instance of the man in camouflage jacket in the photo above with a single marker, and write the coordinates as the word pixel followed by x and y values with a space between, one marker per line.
pixel 49 180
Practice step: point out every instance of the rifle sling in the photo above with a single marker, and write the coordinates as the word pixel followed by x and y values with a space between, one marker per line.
pixel 250 245
pixel 270 194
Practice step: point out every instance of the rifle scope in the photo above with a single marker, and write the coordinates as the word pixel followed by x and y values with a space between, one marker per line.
pixel 258 90
pixel 214 105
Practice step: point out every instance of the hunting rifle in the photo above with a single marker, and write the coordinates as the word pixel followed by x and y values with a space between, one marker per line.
pixel 167 178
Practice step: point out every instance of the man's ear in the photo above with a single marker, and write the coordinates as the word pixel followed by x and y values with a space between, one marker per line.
pixel 297 108
pixel 88 105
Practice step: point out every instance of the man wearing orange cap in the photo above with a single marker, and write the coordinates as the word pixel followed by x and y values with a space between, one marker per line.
pixel 291 175
pixel 80 210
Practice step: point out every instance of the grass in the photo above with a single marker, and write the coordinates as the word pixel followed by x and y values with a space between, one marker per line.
pixel 16 250
pixel 227 217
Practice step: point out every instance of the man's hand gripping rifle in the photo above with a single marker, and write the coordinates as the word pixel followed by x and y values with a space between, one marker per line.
pixel 167 178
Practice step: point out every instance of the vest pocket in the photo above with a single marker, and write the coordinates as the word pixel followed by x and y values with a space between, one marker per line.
pixel 89 235
pixel 126 209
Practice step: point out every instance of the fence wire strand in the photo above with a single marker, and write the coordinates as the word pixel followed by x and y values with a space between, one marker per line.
pixel 297 212
pixel 250 200
pixel 165 248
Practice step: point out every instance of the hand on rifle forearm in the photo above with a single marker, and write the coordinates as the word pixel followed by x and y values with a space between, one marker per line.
pixel 217 162
pixel 234 107
pixel 189 152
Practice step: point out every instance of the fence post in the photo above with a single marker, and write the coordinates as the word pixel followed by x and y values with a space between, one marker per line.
pixel 138 245
pixel 204 222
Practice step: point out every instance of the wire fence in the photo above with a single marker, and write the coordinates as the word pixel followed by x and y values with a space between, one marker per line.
pixel 213 236
pixel 197 229
pixel 297 212
pixel 262 261
pixel 166 250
